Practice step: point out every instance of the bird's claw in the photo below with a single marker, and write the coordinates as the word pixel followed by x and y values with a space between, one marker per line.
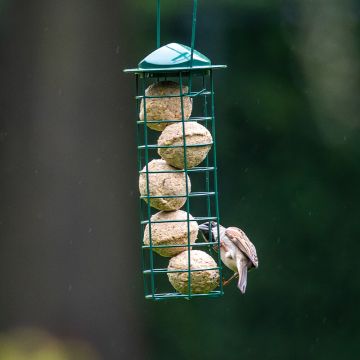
pixel 228 281
pixel 225 283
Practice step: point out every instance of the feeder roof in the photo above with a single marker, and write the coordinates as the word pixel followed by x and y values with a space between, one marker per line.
pixel 174 57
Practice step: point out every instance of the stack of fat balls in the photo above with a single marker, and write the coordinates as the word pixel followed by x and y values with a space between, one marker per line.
pixel 169 226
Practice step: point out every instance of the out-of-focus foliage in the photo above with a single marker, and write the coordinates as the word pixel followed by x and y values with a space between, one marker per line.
pixel 35 344
pixel 288 155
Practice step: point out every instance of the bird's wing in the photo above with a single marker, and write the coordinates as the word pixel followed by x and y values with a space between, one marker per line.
pixel 241 241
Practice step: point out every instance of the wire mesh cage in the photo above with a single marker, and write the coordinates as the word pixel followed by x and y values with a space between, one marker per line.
pixel 175 95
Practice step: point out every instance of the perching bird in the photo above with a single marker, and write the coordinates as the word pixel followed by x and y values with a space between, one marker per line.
pixel 237 252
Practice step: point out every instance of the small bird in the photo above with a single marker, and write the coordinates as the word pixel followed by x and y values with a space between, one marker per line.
pixel 237 252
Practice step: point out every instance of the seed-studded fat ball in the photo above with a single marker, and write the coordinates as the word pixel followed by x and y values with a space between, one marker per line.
pixel 164 184
pixel 171 233
pixel 194 134
pixel 201 281
pixel 165 108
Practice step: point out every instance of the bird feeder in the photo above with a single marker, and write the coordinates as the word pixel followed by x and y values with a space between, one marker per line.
pixel 194 93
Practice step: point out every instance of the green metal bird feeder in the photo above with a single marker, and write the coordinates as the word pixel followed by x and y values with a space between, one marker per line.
pixel 193 72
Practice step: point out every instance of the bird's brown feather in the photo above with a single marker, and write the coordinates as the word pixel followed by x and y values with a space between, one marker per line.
pixel 239 238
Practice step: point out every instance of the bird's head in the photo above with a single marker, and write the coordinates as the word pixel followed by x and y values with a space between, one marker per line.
pixel 210 230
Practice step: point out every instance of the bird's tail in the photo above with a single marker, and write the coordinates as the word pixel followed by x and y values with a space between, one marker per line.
pixel 242 278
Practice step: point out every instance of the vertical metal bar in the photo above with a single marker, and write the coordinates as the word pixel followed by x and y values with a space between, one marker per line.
pixel 158 24
pixel 139 169
pixel 137 116
pixel 186 182
pixel 147 189
pixel 215 175
pixel 207 174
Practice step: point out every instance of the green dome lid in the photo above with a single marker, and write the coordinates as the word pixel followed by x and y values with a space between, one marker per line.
pixel 173 56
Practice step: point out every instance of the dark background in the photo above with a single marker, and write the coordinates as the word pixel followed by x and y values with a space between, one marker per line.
pixel 288 152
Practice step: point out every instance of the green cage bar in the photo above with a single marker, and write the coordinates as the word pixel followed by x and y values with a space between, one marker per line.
pixel 187 67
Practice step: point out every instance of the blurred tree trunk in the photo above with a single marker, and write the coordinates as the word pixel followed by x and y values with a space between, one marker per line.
pixel 68 220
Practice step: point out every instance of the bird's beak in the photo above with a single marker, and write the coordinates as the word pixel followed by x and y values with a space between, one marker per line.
pixel 204 227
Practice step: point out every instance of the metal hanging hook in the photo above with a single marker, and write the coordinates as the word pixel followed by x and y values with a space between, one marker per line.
pixel 193 28
pixel 158 24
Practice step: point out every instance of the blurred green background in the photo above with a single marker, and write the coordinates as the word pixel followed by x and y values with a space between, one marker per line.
pixel 288 135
